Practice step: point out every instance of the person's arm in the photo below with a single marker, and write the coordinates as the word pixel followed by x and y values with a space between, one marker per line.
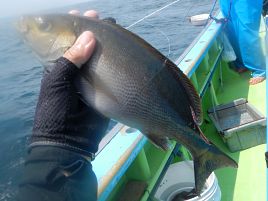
pixel 66 134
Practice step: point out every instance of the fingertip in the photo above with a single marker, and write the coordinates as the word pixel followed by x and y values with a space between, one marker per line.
pixel 86 39
pixel 83 48
pixel 91 13
pixel 87 34
pixel 92 41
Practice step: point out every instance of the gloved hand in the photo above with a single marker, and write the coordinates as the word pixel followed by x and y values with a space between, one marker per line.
pixel 61 118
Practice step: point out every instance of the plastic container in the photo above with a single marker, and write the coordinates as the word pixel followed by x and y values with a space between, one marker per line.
pixel 179 179
pixel 240 125
pixel 199 20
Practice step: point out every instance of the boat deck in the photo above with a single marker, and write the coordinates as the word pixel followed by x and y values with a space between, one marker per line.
pixel 248 182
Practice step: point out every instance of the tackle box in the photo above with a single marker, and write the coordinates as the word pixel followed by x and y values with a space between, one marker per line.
pixel 240 124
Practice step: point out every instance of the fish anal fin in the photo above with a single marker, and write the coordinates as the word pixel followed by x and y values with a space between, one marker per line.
pixel 193 96
pixel 159 141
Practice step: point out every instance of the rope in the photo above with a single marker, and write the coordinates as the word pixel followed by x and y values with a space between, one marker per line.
pixel 213 8
pixel 221 77
pixel 140 20
pixel 222 20
pixel 213 100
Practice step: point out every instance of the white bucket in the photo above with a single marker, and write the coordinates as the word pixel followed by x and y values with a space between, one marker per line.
pixel 180 178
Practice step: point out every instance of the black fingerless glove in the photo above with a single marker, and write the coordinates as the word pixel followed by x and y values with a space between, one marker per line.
pixel 61 118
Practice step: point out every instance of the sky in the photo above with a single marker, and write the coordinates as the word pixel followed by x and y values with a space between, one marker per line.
pixel 16 7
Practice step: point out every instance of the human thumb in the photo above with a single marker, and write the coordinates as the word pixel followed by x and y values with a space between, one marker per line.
pixel 82 49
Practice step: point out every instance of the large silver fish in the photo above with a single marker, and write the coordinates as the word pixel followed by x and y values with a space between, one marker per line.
pixel 130 81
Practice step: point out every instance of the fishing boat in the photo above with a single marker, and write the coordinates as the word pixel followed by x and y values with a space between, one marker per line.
pixel 129 167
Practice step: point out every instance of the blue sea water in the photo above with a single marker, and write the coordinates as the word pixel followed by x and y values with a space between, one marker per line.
pixel 20 72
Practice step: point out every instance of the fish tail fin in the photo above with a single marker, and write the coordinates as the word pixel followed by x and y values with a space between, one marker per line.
pixel 208 161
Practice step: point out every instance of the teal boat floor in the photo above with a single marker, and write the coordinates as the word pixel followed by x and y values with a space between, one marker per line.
pixel 248 181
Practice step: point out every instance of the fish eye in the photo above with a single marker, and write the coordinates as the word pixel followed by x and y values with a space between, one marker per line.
pixel 43 25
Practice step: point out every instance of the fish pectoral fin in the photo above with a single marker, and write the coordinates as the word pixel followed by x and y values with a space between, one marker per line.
pixel 159 141
pixel 95 80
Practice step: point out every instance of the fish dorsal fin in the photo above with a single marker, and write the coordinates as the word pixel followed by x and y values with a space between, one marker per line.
pixel 110 20
pixel 193 96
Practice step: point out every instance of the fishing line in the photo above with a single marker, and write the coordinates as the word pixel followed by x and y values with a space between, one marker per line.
pixel 190 9
pixel 163 34
pixel 222 20
pixel 160 9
